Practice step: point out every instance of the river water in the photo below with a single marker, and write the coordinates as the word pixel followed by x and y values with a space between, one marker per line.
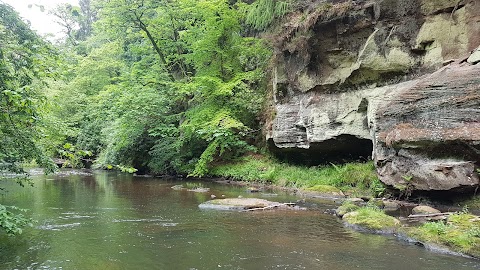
pixel 116 221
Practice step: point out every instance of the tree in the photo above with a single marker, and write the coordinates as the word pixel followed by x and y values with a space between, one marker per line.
pixel 166 86
pixel 76 21
pixel 23 63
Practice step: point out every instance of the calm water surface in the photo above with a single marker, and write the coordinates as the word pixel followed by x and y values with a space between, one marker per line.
pixel 116 221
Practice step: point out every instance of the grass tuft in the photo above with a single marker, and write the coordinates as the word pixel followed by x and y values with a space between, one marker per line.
pixel 461 233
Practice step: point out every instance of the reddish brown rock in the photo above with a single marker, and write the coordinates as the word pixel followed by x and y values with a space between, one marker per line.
pixel 428 135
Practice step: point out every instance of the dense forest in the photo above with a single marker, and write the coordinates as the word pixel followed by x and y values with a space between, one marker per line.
pixel 159 86
pixel 164 87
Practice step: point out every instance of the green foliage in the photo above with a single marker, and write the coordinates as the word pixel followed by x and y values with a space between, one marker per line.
pixel 12 222
pixel 262 13
pixel 177 89
pixel 73 155
pixel 25 61
pixel 126 169
pixel 356 177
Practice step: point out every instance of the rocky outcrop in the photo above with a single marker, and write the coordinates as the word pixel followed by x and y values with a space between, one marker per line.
pixel 427 135
pixel 386 80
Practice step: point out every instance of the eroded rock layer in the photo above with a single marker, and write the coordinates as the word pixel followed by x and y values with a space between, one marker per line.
pixel 390 76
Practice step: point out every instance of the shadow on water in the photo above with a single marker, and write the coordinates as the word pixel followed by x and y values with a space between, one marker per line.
pixel 115 221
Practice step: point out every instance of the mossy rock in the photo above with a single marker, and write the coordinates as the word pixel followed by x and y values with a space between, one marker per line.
pixel 345 208
pixel 326 189
pixel 372 219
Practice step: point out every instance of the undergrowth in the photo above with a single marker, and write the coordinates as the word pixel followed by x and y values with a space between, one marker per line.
pixel 351 177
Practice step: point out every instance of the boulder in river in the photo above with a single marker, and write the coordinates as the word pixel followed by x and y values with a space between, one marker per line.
pixel 424 209
pixel 246 204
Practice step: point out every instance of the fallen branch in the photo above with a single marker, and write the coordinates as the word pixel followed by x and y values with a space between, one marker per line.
pixel 430 215
pixel 269 207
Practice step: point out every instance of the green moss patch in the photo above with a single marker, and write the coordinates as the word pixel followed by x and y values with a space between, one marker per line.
pixel 371 218
pixel 325 189
pixel 345 208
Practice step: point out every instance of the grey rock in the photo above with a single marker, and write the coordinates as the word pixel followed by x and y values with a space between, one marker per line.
pixel 474 57
pixel 424 209
pixel 360 86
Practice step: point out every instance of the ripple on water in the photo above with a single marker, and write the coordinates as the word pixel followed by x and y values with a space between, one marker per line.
pixel 168 224
pixel 75 216
pixel 144 220
pixel 58 227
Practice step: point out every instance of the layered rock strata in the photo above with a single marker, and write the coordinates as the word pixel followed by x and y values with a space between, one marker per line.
pixel 388 80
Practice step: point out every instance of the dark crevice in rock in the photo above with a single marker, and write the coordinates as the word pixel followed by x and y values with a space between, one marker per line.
pixel 449 10
pixel 345 148
pixel 447 197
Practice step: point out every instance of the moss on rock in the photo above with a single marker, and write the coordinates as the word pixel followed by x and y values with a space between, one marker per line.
pixel 371 218
pixel 345 208
pixel 461 233
pixel 326 189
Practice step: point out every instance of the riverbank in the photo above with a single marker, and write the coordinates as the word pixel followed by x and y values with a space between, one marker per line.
pixel 458 233
pixel 351 179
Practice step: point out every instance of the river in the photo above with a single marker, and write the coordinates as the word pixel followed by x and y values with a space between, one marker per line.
pixel 106 220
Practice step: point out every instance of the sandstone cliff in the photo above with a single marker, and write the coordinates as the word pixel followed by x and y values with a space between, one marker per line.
pixel 387 80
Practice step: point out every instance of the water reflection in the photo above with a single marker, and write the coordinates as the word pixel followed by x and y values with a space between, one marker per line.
pixel 116 221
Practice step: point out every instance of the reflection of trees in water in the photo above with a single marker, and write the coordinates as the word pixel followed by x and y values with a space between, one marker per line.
pixel 137 223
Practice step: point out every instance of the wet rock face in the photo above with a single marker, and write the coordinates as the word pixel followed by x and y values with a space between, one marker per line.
pixel 351 80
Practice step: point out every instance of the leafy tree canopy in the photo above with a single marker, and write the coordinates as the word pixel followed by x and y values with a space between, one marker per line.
pixel 25 60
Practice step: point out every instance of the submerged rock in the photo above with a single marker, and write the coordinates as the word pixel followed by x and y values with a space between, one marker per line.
pixel 253 190
pixel 194 189
pixel 424 209
pixel 245 204
pixel 199 189
pixel 389 205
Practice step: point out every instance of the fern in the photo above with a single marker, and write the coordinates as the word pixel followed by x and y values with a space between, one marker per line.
pixel 262 12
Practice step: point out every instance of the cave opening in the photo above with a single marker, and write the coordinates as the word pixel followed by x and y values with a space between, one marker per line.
pixel 343 149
